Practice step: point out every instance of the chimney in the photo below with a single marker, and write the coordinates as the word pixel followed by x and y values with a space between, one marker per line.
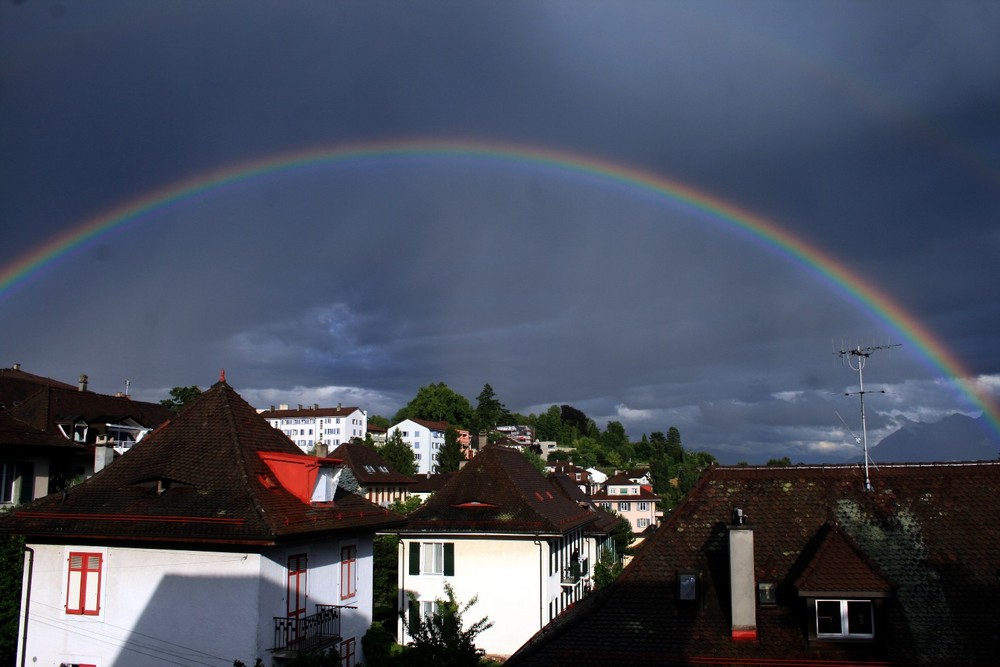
pixel 83 383
pixel 17 367
pixel 741 578
pixel 322 450
pixel 104 455
pixel 283 406
pixel 300 407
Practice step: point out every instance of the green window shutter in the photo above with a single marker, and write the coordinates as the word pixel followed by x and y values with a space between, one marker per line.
pixel 414 620
pixel 449 559
pixel 414 557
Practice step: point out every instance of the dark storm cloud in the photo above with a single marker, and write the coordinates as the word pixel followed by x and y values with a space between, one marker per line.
pixel 863 128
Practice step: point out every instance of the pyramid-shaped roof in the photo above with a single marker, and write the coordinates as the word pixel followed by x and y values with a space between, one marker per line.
pixel 201 477
pixel 499 491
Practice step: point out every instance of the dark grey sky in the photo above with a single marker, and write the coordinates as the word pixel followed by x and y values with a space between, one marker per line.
pixel 868 130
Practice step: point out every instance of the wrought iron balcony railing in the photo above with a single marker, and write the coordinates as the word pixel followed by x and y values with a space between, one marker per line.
pixel 303 634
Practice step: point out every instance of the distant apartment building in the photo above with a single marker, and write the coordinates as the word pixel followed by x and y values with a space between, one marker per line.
pixel 425 438
pixel 308 426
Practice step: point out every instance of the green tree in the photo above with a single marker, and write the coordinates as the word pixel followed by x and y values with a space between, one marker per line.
pixel 535 458
pixel 11 566
pixel 441 639
pixel 779 463
pixel 549 425
pixel 379 420
pixel 614 437
pixel 398 454
pixel 437 402
pixel 450 457
pixel 384 571
pixel 489 411
pixel 673 446
pixel 607 568
pixel 180 397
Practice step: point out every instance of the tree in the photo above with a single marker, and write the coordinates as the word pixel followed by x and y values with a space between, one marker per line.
pixel 784 461
pixel 548 425
pixel 450 457
pixel 398 454
pixel 535 458
pixel 489 411
pixel 11 566
pixel 673 446
pixel 379 420
pixel 437 402
pixel 180 397
pixel 441 639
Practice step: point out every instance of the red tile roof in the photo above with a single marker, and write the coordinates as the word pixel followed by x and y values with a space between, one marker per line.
pixel 199 478
pixel 499 491
pixel 927 536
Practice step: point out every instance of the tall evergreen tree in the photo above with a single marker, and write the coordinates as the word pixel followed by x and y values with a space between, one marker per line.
pixel 398 454
pixel 449 457
pixel 489 411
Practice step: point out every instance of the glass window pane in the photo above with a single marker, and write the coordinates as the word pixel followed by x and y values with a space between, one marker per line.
pixel 828 617
pixel 859 617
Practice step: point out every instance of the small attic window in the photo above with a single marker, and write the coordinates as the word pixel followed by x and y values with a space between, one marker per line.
pixel 688 586
pixel 327 479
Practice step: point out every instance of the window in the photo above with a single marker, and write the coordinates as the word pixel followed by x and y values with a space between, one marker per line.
pixel 347 651
pixel 8 474
pixel 296 588
pixel 643 523
pixel 432 558
pixel 83 588
pixel 348 571
pixel 643 506
pixel 624 507
pixel 844 619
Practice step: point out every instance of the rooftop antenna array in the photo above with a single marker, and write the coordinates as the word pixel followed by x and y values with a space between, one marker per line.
pixel 856 358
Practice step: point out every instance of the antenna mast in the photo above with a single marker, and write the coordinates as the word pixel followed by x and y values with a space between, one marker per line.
pixel 856 359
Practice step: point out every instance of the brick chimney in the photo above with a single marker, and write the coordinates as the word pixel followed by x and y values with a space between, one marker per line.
pixel 83 383
pixel 741 578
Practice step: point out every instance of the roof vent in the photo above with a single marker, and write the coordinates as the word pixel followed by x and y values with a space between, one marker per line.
pixel 739 518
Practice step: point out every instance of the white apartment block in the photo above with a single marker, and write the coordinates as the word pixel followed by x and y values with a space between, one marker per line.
pixel 425 438
pixel 309 426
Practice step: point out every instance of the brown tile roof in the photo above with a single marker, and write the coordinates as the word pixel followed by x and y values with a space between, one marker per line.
pixel 16 433
pixel 46 407
pixel 218 488
pixel 930 532
pixel 310 412
pixel 645 494
pixel 368 467
pixel 17 385
pixel 499 491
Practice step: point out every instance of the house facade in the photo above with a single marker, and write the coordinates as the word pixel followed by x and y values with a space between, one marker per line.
pixel 803 565
pixel 309 426
pixel 634 500
pixel 502 531
pixel 215 539
pixel 425 438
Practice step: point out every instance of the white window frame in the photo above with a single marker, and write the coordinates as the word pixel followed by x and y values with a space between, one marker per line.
pixel 845 631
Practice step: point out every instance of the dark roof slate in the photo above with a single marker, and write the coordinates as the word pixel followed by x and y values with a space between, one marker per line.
pixel 499 491
pixel 218 488
pixel 360 458
pixel 47 407
pixel 929 531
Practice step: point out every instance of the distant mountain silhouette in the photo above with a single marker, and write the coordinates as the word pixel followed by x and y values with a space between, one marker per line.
pixel 954 438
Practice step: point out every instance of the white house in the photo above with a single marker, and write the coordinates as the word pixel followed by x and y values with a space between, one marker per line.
pixel 634 500
pixel 215 539
pixel 309 426
pixel 502 531
pixel 425 438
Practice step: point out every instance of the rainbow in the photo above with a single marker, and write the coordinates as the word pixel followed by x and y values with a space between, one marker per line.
pixel 828 268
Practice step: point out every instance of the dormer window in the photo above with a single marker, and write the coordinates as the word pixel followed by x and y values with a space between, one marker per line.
pixel 844 619
pixel 326 484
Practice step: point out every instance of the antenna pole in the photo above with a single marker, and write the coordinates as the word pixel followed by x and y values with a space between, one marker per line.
pixel 856 359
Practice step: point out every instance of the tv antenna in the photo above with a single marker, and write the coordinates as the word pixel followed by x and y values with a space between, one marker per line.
pixel 856 358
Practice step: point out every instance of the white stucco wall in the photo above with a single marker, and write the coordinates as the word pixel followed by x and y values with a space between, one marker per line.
pixel 157 607
pixel 510 576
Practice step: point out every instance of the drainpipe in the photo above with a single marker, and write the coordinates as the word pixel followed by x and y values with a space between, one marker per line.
pixel 541 593
pixel 26 599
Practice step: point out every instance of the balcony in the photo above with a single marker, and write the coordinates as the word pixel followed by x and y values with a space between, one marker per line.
pixel 576 570
pixel 306 634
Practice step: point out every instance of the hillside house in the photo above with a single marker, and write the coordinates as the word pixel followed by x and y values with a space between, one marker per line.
pixel 215 539
pixel 631 498
pixel 501 530
pixel 801 566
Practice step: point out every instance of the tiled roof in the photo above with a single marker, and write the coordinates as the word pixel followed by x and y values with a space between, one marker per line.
pixel 14 432
pixel 17 385
pixel 309 412
pixel 46 407
pixel 368 467
pixel 927 536
pixel 499 491
pixel 199 478
pixel 645 494
pixel 606 521
pixel 432 425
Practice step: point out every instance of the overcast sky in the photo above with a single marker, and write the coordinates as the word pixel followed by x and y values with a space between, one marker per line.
pixel 869 130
